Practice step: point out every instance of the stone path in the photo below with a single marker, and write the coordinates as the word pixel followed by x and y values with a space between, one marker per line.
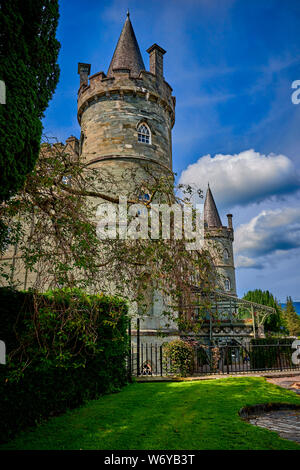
pixel 291 383
pixel 294 376
pixel 285 422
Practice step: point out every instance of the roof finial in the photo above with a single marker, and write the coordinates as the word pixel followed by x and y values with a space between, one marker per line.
pixel 127 14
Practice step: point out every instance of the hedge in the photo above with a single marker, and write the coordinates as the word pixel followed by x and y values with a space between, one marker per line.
pixel 78 354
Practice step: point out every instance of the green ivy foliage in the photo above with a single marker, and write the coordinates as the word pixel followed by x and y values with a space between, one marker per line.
pixel 70 349
pixel 29 69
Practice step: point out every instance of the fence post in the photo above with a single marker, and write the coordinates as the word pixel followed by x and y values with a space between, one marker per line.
pixel 129 352
pixel 253 322
pixel 161 362
pixel 138 346
pixel 279 350
pixel 227 361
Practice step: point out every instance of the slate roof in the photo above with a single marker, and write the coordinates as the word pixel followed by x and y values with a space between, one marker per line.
pixel 211 214
pixel 127 54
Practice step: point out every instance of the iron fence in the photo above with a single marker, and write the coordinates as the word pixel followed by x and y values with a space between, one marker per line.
pixel 150 360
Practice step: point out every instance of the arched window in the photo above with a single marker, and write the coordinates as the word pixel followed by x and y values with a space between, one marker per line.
pixel 226 255
pixel 144 134
pixel 227 284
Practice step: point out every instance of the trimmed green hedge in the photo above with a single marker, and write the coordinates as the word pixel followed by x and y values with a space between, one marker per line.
pixel 72 349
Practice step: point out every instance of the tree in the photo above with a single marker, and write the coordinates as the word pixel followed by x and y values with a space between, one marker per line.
pixel 292 318
pixel 53 230
pixel 29 52
pixel 275 322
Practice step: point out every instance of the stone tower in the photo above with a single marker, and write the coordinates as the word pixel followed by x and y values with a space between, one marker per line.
pixel 219 240
pixel 126 116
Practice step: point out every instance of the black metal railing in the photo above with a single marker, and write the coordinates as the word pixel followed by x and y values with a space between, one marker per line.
pixel 149 359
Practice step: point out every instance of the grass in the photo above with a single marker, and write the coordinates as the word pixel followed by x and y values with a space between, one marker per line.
pixel 169 416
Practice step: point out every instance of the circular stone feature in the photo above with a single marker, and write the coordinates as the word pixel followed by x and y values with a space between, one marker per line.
pixel 281 418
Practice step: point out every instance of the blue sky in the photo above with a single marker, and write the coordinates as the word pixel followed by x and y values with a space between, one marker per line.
pixel 231 64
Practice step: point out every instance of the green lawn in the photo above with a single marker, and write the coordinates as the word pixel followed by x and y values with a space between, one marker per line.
pixel 172 415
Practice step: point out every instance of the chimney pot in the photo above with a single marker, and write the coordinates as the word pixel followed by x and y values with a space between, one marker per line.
pixel 229 218
pixel 156 60
pixel 84 71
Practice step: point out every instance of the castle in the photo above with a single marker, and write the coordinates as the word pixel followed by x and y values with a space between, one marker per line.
pixel 126 118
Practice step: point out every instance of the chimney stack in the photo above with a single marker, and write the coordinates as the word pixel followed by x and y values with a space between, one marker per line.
pixel 84 71
pixel 229 218
pixel 156 60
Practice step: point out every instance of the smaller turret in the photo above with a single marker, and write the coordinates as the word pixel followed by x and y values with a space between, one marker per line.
pixel 219 240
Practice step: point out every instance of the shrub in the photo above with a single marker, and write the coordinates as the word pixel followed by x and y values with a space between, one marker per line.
pixel 63 348
pixel 178 357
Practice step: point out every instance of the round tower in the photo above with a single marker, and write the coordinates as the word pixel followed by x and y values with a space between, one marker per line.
pixel 126 116
pixel 219 242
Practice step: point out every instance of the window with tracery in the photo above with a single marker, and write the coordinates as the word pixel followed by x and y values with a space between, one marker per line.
pixel 144 134
pixel 226 254
pixel 227 284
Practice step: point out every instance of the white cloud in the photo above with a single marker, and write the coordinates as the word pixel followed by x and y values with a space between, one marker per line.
pixel 272 232
pixel 246 262
pixel 243 178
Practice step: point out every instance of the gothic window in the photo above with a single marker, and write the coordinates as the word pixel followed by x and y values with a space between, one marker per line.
pixel 227 284
pixel 226 255
pixel 144 134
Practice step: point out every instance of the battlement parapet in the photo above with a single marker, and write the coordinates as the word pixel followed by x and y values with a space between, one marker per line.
pixel 146 85
pixel 219 232
pixel 71 146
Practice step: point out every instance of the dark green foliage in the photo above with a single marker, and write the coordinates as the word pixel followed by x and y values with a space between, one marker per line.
pixel 292 318
pixel 29 52
pixel 178 357
pixel 269 353
pixel 58 359
pixel 275 322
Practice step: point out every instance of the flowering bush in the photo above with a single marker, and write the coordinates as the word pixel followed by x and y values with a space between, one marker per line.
pixel 178 357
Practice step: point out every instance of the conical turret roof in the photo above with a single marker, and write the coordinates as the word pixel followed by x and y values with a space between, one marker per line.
pixel 127 54
pixel 211 214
